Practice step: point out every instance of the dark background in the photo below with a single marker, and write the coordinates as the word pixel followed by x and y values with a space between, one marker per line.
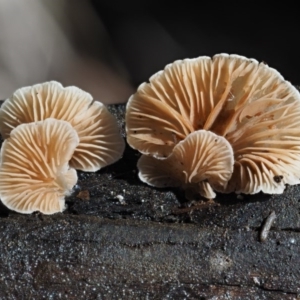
pixel 109 47
pixel 149 34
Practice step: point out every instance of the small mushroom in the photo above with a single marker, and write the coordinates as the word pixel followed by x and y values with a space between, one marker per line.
pixel 100 141
pixel 201 163
pixel 34 166
pixel 240 99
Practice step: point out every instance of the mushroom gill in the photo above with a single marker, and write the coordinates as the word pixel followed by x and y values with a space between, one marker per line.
pixel 34 166
pixel 240 99
pixel 201 163
pixel 100 141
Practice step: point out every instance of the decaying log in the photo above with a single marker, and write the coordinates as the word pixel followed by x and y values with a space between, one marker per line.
pixel 121 239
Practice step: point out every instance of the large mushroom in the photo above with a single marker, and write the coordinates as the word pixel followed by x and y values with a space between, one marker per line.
pixel 100 141
pixel 246 102
pixel 34 167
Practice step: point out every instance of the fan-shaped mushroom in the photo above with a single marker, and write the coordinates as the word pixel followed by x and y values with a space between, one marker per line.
pixel 100 141
pixel 34 166
pixel 201 162
pixel 246 102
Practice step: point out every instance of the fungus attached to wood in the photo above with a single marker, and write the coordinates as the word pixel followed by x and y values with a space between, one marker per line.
pixel 34 166
pixel 100 141
pixel 244 101
pixel 201 163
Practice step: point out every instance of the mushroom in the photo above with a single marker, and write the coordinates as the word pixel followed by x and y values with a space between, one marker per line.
pixel 201 163
pixel 240 99
pixel 34 167
pixel 100 141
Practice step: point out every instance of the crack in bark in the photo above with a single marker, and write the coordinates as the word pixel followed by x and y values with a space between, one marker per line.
pixel 260 287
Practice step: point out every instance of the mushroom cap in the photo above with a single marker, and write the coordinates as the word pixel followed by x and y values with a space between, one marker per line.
pixel 247 102
pixel 100 141
pixel 202 162
pixel 34 166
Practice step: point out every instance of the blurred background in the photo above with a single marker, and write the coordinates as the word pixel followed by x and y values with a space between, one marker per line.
pixel 109 47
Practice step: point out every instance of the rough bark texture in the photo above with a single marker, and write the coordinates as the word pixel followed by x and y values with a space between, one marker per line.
pixel 151 243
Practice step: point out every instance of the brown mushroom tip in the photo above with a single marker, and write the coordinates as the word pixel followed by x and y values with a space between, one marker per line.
pixel 202 162
pixel 240 99
pixel 34 166
pixel 100 144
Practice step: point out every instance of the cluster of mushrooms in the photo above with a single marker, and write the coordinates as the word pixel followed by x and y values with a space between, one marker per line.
pixel 50 131
pixel 225 124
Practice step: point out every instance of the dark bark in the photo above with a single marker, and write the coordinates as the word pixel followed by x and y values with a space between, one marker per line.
pixel 153 244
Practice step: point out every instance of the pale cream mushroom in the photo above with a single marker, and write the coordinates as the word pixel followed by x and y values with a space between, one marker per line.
pixel 201 163
pixel 240 99
pixel 34 167
pixel 100 141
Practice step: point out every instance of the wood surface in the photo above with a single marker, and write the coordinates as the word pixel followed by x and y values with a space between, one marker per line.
pixel 151 243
